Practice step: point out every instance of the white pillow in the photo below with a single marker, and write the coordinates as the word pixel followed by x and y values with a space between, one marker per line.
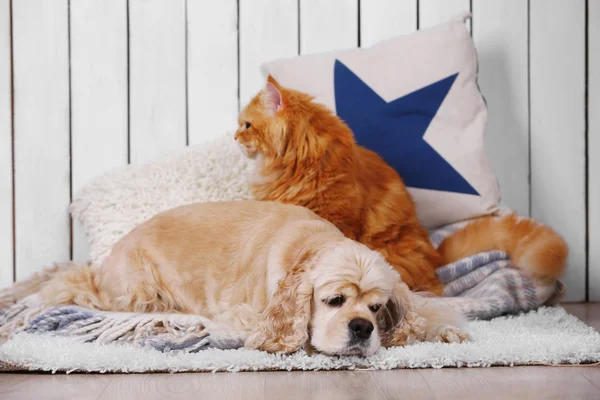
pixel 389 95
pixel 116 202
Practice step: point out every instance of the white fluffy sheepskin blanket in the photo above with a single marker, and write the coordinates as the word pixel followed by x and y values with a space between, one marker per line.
pixel 546 336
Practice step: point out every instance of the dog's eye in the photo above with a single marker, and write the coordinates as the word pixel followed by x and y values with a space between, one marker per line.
pixel 247 125
pixel 336 301
pixel 375 307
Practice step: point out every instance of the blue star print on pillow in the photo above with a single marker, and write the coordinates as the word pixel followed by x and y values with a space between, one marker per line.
pixel 395 130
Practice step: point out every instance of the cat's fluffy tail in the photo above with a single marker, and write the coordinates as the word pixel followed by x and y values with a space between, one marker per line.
pixel 534 248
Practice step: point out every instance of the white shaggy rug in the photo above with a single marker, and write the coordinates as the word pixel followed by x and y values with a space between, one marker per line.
pixel 546 336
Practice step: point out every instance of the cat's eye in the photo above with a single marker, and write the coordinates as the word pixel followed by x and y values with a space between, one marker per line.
pixel 375 307
pixel 247 125
pixel 336 301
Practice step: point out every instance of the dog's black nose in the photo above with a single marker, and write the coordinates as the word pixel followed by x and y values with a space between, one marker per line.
pixel 361 328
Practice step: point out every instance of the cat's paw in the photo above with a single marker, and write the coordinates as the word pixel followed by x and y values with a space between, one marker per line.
pixel 448 334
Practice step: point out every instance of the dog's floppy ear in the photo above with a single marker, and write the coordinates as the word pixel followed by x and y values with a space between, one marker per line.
pixel 286 318
pixel 399 322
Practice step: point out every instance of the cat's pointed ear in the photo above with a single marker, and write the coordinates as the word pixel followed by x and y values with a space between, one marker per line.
pixel 272 96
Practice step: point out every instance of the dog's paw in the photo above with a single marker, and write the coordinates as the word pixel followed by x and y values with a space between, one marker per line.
pixel 448 334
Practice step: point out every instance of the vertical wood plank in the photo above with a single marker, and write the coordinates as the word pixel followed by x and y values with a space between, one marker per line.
pixel 384 19
pixel 98 95
pixel 594 148
pixel 327 25
pixel 557 79
pixel 212 53
pixel 268 31
pixel 433 12
pixel 500 32
pixel 157 78
pixel 6 157
pixel 41 125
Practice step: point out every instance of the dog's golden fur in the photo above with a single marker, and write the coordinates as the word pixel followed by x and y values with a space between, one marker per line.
pixel 307 156
pixel 264 269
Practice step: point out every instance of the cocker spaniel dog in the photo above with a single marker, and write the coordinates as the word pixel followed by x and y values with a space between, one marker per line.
pixel 279 274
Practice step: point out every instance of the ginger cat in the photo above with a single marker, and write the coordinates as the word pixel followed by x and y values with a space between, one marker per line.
pixel 307 156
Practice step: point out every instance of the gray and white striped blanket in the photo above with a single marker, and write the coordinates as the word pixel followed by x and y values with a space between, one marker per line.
pixel 482 286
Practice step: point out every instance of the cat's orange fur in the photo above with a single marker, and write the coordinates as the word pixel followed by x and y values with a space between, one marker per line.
pixel 307 156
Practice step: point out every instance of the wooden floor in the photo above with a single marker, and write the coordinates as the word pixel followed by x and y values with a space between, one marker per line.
pixel 476 383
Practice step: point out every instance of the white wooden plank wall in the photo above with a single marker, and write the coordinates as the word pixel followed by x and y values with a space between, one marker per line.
pixel 384 19
pixel 157 78
pixel 433 12
pixel 557 63
pixel 499 30
pixel 99 83
pixel 268 30
pixel 328 25
pixel 593 113
pixel 98 95
pixel 6 170
pixel 40 34
pixel 212 68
